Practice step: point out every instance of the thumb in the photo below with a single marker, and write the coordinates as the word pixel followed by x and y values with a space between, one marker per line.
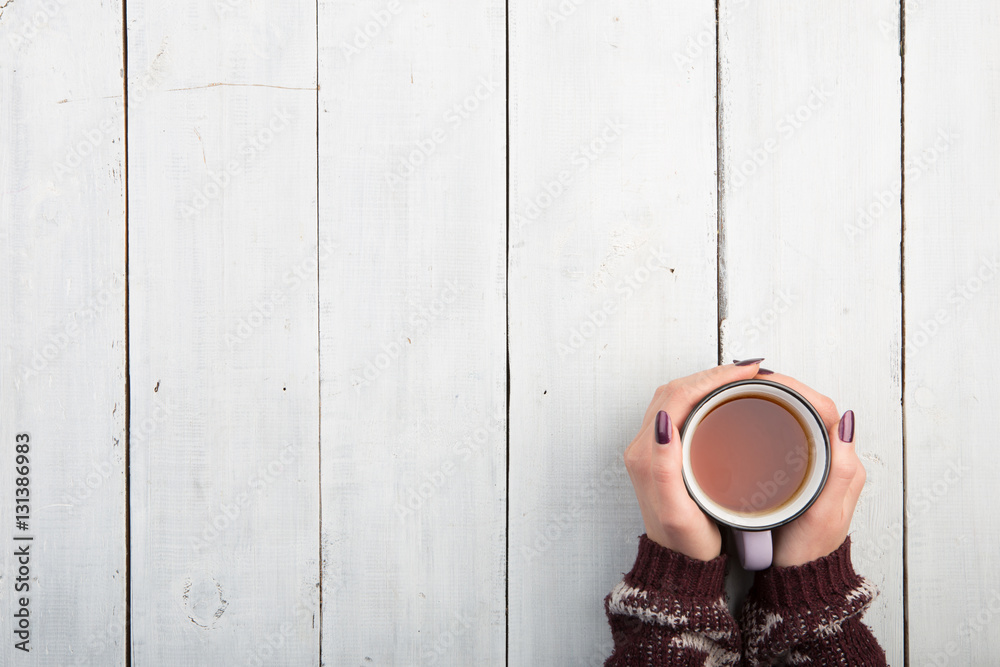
pixel 666 463
pixel 844 462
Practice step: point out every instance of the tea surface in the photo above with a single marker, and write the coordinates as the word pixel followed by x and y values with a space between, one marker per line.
pixel 750 455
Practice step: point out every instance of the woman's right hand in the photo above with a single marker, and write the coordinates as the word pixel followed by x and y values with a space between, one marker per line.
pixel 672 518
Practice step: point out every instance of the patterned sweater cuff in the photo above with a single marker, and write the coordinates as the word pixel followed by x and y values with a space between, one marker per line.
pixel 660 569
pixel 829 581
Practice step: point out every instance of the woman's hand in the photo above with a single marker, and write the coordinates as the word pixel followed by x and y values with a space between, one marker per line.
pixel 824 526
pixel 672 519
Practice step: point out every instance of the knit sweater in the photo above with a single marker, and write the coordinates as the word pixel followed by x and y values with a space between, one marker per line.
pixel 671 610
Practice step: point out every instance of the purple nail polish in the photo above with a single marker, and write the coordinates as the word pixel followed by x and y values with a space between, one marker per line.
pixel 846 430
pixel 663 428
pixel 747 362
pixel 764 371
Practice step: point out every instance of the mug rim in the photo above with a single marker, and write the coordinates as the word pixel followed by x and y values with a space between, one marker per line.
pixel 826 445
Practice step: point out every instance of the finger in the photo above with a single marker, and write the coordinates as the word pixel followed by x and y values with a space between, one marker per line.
pixel 687 391
pixel 824 405
pixel 679 396
pixel 858 482
pixel 703 381
pixel 845 466
pixel 666 464
pixel 653 407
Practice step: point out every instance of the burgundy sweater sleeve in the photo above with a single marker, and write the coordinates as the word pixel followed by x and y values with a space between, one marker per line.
pixel 810 614
pixel 671 610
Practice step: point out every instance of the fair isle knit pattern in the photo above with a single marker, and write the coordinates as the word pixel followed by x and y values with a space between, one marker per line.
pixel 671 610
pixel 810 615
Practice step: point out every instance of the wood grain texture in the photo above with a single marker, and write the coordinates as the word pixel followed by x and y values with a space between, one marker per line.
pixel 612 289
pixel 810 136
pixel 952 305
pixel 319 314
pixel 62 327
pixel 412 181
pixel 223 335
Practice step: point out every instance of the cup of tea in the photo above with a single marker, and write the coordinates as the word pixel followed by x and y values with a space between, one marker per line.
pixel 756 456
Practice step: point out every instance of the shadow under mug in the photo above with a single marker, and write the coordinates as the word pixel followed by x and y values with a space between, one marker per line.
pixel 752 530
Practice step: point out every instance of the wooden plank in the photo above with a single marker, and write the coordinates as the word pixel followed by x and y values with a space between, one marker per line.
pixel 223 333
pixel 62 346
pixel 612 288
pixel 952 305
pixel 412 182
pixel 810 139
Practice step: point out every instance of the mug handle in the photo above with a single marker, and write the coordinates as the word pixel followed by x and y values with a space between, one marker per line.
pixel 753 548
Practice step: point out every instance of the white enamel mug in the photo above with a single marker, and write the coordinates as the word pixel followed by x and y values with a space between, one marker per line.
pixel 752 530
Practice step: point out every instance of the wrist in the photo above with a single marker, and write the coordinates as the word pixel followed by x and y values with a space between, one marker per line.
pixel 662 568
pixel 807 553
pixel 692 548
pixel 813 584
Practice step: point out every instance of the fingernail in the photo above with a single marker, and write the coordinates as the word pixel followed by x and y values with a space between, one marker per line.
pixel 747 362
pixel 663 428
pixel 846 430
pixel 764 371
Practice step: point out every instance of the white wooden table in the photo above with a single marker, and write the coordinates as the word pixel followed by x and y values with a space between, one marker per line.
pixel 329 322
